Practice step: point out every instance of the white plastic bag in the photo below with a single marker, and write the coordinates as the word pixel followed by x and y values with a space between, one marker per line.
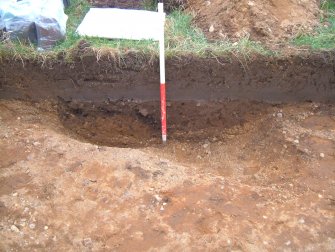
pixel 42 22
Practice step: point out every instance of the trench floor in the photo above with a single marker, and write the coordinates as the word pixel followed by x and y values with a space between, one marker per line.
pixel 234 176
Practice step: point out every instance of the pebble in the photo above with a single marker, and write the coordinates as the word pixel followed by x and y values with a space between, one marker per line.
pixel 205 145
pixel 322 155
pixel 14 229
pixel 296 141
pixel 36 143
pixel 301 221
pixel 87 242
pixel 285 146
pixel 211 28
pixel 251 3
pixel 46 227
pixel 15 194
pixel 157 197
pixel 164 203
pixel 162 208
pixel 288 243
pixel 280 115
pixel 144 112
pixel 32 225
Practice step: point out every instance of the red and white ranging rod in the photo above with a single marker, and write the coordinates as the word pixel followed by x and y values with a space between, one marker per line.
pixel 162 75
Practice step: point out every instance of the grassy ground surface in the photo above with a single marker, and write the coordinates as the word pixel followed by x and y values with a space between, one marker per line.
pixel 324 36
pixel 181 38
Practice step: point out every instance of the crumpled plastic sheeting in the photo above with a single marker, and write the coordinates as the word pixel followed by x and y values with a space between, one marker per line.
pixel 42 22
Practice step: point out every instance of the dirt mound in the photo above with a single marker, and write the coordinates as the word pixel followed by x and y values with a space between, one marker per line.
pixel 264 20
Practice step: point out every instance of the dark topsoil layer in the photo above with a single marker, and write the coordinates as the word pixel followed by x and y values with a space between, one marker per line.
pixel 136 77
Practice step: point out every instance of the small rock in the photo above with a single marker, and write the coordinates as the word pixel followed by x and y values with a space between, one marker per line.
pixel 15 194
pixel 46 227
pixel 14 229
pixel 162 208
pixel 19 118
pixel 206 145
pixel 251 3
pixel 156 196
pixel 288 243
pixel 285 146
pixel 301 221
pixel 198 104
pixel 296 141
pixel 208 3
pixel 87 242
pixel 32 225
pixel 265 217
pixel 36 143
pixel 211 28
pixel 320 196
pixel 322 155
pixel 164 203
pixel 280 115
pixel 144 112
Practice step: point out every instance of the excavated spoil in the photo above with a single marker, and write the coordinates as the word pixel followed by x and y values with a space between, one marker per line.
pixel 136 77
pixel 268 21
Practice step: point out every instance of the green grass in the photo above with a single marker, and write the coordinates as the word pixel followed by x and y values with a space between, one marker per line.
pixel 324 36
pixel 181 38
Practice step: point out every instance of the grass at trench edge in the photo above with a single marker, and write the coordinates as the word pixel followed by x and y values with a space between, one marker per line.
pixel 324 36
pixel 181 38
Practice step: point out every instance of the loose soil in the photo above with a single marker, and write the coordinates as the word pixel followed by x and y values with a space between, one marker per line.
pixel 234 176
pixel 269 21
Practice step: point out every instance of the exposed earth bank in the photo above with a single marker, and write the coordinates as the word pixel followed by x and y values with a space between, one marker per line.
pixel 100 77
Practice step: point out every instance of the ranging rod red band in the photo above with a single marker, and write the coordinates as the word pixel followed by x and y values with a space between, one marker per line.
pixel 163 108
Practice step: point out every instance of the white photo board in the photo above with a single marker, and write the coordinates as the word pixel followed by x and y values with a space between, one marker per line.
pixel 122 24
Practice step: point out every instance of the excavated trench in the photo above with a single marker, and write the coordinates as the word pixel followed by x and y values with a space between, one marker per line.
pixel 131 124
pixel 249 146
pixel 114 101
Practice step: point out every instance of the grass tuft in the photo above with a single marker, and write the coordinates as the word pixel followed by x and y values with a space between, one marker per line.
pixel 324 36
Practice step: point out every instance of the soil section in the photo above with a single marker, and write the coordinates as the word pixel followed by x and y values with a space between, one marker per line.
pixel 259 179
pixel 136 77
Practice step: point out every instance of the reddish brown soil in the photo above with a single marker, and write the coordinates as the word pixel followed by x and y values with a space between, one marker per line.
pixel 269 21
pixel 233 177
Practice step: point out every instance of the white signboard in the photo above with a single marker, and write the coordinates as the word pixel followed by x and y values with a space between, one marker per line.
pixel 122 24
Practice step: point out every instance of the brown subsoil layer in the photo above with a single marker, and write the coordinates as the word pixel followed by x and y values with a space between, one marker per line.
pixel 263 20
pixel 234 176
pixel 136 77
